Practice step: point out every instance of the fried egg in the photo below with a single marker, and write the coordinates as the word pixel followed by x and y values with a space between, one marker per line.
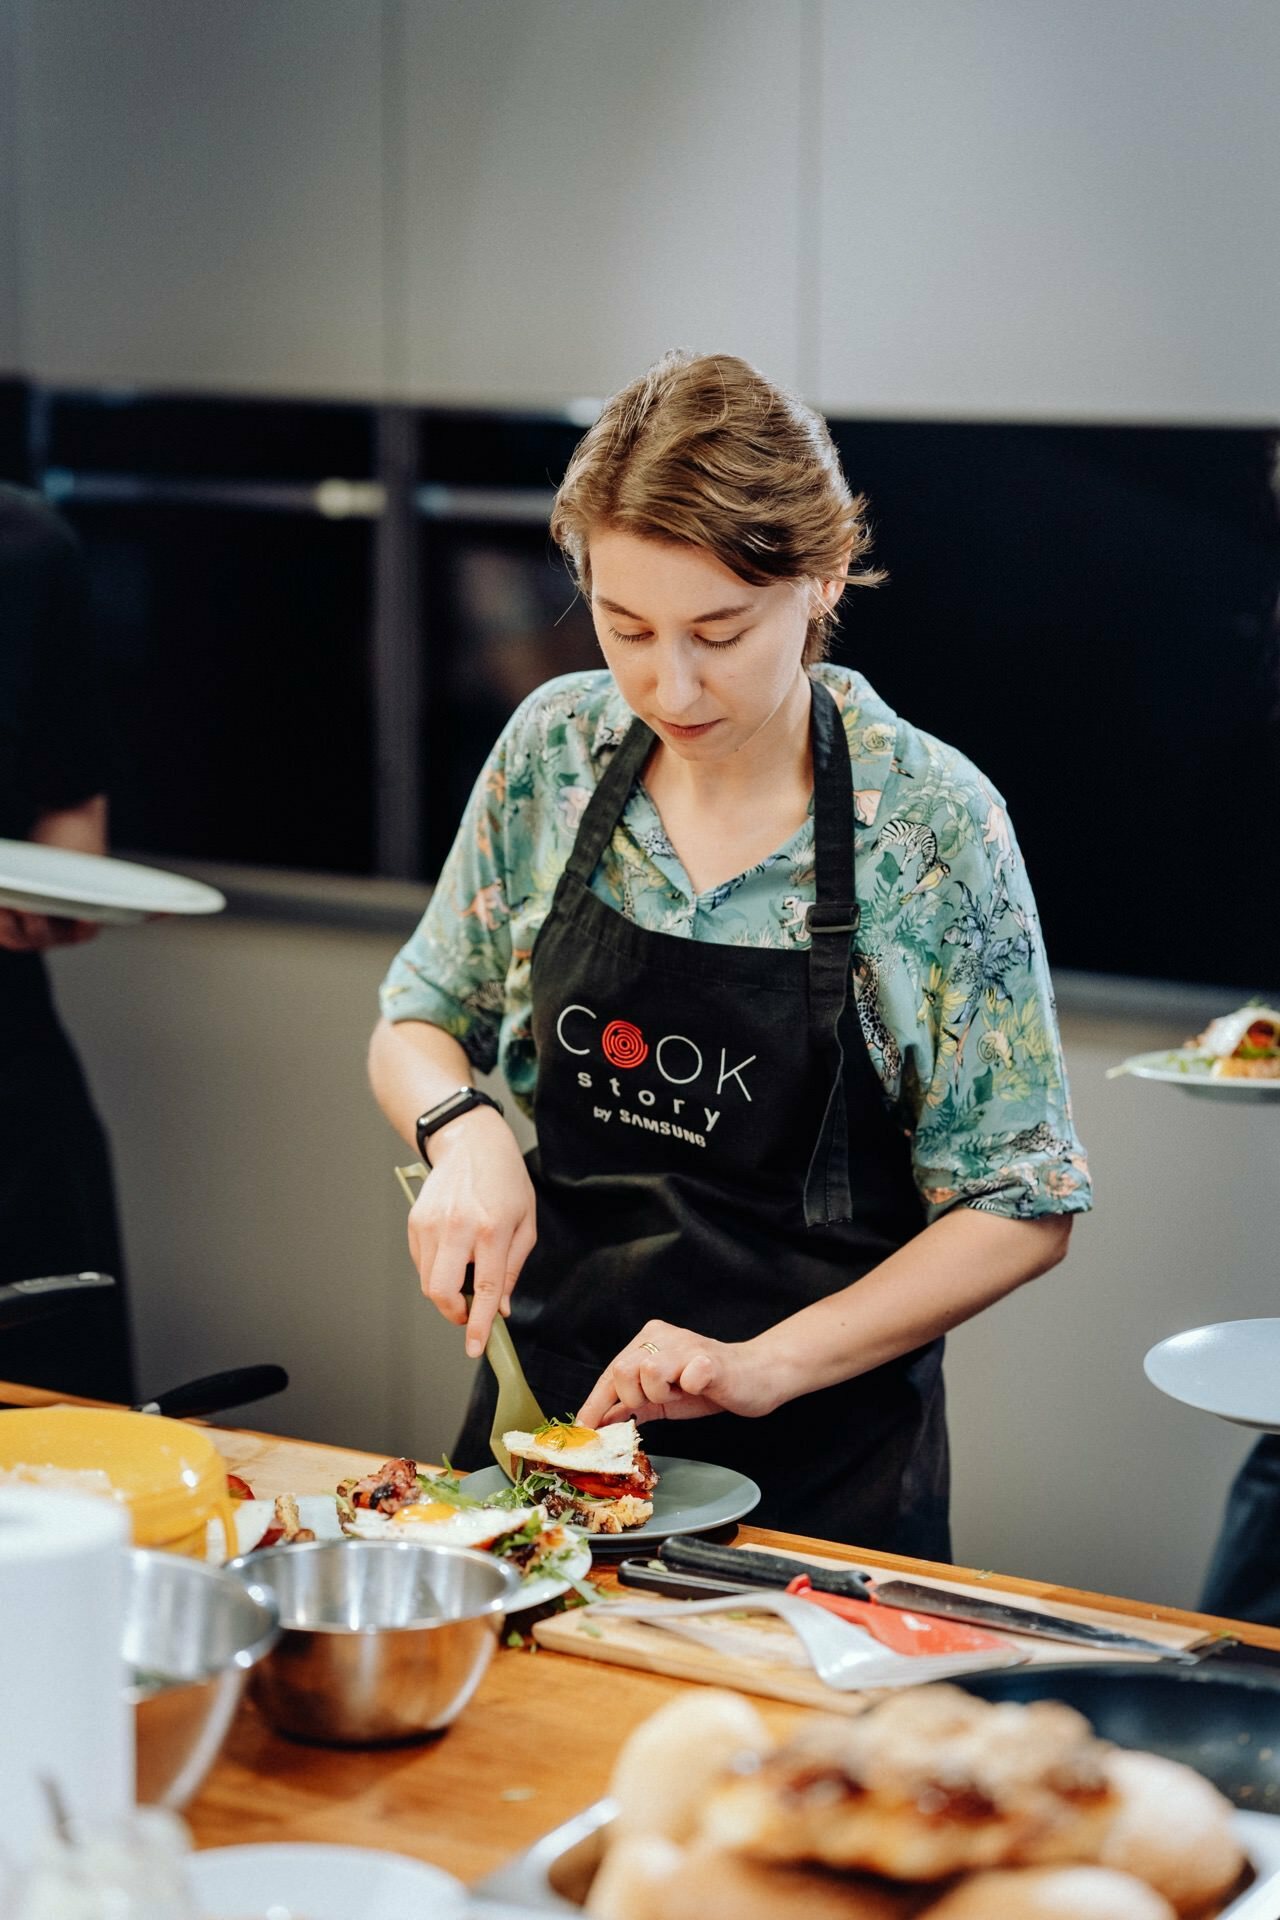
pixel 450 1526
pixel 578 1449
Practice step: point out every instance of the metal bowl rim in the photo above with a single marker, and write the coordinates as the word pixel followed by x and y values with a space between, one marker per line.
pixel 243 1658
pixel 242 1566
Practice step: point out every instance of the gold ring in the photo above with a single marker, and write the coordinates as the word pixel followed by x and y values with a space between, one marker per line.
pixel 647 1346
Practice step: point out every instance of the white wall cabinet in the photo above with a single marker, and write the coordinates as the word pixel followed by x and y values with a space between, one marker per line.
pixel 1047 211
pixel 588 183
pixel 954 207
pixel 201 191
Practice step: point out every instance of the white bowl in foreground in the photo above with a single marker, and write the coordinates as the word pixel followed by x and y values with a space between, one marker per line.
pixel 321 1883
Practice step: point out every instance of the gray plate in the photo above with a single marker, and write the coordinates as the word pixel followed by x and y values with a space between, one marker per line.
pixel 691 1496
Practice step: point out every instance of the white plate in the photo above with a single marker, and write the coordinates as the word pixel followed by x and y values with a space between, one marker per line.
pixel 1231 1369
pixel 692 1496
pixel 319 1512
pixel 1179 1067
pixel 320 1883
pixel 89 886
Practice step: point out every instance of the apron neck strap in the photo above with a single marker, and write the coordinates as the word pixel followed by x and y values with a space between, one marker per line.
pixel 833 917
pixel 604 809
pixel 833 920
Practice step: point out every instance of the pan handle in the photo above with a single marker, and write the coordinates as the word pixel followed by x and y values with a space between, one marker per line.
pixel 23 1301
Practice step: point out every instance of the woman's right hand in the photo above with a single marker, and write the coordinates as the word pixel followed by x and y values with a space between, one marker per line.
pixel 477 1210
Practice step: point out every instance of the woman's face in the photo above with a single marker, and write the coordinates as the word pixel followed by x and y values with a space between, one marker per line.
pixel 704 658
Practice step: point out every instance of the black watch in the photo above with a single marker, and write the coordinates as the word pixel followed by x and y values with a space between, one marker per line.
pixel 439 1116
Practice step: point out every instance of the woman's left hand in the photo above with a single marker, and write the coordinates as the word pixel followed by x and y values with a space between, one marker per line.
pixel 669 1373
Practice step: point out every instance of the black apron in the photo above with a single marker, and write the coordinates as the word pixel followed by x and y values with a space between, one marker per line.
pixel 57 1203
pixel 715 1149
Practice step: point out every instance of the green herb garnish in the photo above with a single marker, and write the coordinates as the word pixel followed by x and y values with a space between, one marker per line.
pixel 552 1431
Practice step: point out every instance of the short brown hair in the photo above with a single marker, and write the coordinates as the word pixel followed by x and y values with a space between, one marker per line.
pixel 703 451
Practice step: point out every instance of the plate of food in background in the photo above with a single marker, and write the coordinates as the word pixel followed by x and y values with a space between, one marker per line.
pixel 1236 1057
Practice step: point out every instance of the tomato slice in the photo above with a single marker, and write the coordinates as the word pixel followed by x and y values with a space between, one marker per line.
pixel 238 1488
pixel 600 1486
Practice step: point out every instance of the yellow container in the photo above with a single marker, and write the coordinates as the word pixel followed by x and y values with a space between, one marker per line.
pixel 169 1475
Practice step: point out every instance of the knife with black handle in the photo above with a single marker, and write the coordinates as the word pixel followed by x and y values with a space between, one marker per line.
pixel 218 1392
pixel 688 1554
pixel 650 1576
pixel 749 1568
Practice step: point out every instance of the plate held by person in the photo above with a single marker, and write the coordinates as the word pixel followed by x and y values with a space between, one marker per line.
pixel 91 886
pixel 1231 1369
pixel 1193 1072
pixel 692 1496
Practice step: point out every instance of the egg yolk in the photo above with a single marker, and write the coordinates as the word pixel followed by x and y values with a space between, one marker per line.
pixel 564 1439
pixel 430 1511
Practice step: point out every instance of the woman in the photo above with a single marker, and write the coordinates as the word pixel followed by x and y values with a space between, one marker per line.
pixel 761 960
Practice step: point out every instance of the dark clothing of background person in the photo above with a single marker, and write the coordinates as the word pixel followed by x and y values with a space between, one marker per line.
pixel 57 1208
pixel 1243 1581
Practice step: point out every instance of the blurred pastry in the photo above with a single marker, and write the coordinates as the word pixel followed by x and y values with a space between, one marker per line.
pixel 667 1767
pixel 630 1882
pixel 932 1782
pixel 1051 1893
pixel 648 1878
pixel 1171 1828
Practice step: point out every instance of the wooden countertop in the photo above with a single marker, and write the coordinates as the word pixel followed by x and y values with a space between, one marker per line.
pixel 534 1746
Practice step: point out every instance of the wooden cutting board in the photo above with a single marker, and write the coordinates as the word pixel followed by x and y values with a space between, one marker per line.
pixel 631 1643
pixel 762 1656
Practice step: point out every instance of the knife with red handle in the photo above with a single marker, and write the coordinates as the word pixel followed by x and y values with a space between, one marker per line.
pixel 748 1567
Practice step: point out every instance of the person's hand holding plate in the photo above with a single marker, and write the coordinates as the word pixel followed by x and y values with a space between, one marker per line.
pixel 38 932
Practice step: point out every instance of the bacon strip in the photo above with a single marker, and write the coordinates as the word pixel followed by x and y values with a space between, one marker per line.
pixel 388 1488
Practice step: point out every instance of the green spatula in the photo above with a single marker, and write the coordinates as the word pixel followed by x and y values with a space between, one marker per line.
pixel 516 1408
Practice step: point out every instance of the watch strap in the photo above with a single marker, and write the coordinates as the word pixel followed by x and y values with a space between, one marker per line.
pixel 465 1100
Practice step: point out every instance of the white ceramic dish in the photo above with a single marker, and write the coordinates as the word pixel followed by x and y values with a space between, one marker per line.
pixel 564 1858
pixel 90 886
pixel 1179 1067
pixel 1231 1369
pixel 321 1883
pixel 319 1512
pixel 692 1496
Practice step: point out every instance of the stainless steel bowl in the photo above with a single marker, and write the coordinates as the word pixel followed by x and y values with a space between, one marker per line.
pixel 191 1635
pixel 381 1640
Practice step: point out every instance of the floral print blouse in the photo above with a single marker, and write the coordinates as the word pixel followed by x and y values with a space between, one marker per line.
pixel 950 979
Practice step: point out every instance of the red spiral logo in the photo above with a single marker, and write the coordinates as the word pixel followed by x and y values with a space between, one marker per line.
pixel 623 1044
